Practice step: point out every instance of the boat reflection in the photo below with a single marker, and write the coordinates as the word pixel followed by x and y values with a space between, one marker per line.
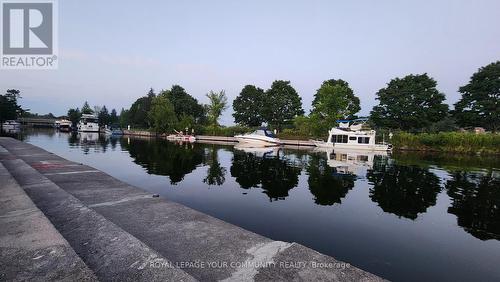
pixel 350 161
pixel 327 182
pixel 264 168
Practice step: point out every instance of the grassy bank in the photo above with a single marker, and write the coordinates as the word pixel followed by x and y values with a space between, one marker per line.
pixel 456 142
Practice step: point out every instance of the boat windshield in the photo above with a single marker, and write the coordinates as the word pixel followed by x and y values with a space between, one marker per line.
pixel 94 120
pixel 264 132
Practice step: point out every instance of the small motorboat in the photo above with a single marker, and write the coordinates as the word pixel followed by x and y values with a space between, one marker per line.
pixel 260 137
pixel 181 137
pixel 113 130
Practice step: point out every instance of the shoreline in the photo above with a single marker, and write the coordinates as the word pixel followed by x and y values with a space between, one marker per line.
pixel 306 143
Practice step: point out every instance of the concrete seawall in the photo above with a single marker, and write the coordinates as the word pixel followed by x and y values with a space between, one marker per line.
pixel 121 232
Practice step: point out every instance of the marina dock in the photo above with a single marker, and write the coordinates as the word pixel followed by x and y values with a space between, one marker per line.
pixel 70 221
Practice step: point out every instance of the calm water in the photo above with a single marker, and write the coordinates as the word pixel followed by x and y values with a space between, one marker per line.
pixel 403 217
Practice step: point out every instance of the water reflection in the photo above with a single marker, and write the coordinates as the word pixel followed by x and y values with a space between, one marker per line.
pixel 216 174
pixel 476 202
pixel 404 191
pixel 162 157
pixel 355 197
pixel 264 168
pixel 326 182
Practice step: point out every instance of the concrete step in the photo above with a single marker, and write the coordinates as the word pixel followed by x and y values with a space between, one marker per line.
pixel 109 251
pixel 31 247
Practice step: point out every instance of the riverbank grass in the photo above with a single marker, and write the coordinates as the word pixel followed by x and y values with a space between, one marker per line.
pixel 458 142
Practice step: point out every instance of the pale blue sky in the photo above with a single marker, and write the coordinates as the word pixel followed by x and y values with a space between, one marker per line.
pixel 111 52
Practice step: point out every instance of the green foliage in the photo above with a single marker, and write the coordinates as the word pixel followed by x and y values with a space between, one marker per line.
pixel 282 104
pixel 248 106
pixel 138 113
pixel 86 109
pixel 218 103
pixel 124 118
pixel 162 115
pixel 227 131
pixel 312 126
pixel 113 117
pixel 448 142
pixel 335 100
pixel 410 103
pixel 480 102
pixel 103 116
pixel 184 104
pixel 9 109
pixel 74 116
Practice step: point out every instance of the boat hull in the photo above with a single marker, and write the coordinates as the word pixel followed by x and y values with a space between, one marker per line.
pixel 368 147
pixel 257 141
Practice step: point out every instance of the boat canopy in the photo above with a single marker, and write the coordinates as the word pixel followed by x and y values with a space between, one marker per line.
pixel 264 132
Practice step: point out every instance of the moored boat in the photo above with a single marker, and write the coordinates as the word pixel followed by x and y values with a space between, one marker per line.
pixel 88 123
pixel 261 137
pixel 352 135
pixel 11 124
pixel 64 125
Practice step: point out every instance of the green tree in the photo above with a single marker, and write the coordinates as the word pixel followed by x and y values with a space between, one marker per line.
pixel 218 104
pixel 9 109
pixel 479 105
pixel 409 103
pixel 282 104
pixel 113 117
pixel 335 100
pixel 138 113
pixel 103 116
pixel 124 118
pixel 86 109
pixel 162 115
pixel 74 116
pixel 248 106
pixel 184 104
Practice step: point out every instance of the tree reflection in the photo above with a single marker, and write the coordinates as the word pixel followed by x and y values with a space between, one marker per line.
pixel 404 191
pixel 163 157
pixel 216 173
pixel 273 174
pixel 476 203
pixel 325 183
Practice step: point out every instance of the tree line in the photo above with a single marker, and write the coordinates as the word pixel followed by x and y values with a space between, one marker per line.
pixel 412 103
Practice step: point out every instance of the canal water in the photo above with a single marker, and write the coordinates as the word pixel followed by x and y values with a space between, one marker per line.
pixel 405 217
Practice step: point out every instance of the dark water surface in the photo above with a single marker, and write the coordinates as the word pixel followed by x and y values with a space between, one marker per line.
pixel 405 217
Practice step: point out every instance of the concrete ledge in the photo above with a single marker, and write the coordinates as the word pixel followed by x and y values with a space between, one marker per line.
pixel 31 248
pixel 110 252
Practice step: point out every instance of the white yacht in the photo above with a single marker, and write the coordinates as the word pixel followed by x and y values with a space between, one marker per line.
pixel 88 123
pixel 64 125
pixel 260 137
pixel 352 135
pixel 11 125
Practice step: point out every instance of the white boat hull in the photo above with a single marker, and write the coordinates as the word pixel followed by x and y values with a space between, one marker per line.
pixel 264 141
pixel 353 147
pixel 185 138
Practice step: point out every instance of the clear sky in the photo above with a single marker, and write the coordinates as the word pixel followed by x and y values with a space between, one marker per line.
pixel 112 52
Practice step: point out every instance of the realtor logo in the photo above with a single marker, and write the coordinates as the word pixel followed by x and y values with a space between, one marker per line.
pixel 29 34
